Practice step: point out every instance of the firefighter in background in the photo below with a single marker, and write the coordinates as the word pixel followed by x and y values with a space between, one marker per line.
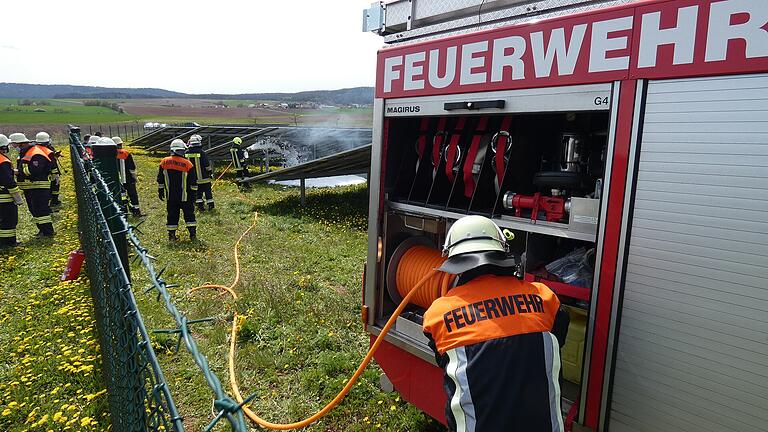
pixel 88 141
pixel 33 176
pixel 239 158
pixel 126 170
pixel 44 140
pixel 10 197
pixel 203 170
pixel 177 185
pixel 496 337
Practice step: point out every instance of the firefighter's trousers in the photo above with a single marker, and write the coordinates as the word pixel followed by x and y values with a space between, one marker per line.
pixel 55 187
pixel 204 196
pixel 9 218
pixel 176 207
pixel 133 198
pixel 38 201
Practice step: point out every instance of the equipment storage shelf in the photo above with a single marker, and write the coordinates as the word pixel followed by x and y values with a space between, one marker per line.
pixel 536 172
pixel 511 222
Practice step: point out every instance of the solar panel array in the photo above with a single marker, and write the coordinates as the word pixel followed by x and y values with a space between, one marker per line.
pixel 355 161
pixel 301 143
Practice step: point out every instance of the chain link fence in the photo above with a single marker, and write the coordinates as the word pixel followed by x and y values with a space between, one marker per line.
pixel 139 397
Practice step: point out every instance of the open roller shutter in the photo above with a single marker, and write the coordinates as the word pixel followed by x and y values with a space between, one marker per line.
pixel 692 349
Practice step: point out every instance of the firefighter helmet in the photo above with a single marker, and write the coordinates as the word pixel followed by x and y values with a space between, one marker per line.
pixel 237 141
pixel 178 145
pixel 42 138
pixel 105 141
pixel 474 234
pixel 4 141
pixel 92 140
pixel 195 140
pixel 118 141
pixel 18 138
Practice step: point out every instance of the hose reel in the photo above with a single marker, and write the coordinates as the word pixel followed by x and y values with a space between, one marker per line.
pixel 412 260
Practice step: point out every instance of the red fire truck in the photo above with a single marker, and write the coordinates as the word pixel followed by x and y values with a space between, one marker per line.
pixel 624 145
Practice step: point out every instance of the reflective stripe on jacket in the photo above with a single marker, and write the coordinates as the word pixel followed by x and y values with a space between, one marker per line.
pixel 237 157
pixel 199 159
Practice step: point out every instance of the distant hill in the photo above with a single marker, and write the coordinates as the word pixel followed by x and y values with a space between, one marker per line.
pixel 56 91
pixel 356 95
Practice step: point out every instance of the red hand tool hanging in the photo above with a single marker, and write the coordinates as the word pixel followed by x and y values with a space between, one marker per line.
pixel 469 162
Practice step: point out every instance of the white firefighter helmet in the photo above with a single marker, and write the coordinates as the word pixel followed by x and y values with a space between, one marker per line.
pixel 117 140
pixel 474 234
pixel 4 141
pixel 18 138
pixel 195 140
pixel 178 145
pixel 93 140
pixel 105 141
pixel 42 138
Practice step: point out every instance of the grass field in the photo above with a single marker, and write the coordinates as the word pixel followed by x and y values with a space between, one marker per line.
pixel 61 112
pixel 50 377
pixel 299 290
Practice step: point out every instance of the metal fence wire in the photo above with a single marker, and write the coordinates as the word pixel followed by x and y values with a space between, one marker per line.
pixel 138 394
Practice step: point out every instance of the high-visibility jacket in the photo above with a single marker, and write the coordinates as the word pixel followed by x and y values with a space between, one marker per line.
pixel 126 167
pixel 178 179
pixel 202 165
pixel 492 337
pixel 52 156
pixel 34 166
pixel 7 182
pixel 238 157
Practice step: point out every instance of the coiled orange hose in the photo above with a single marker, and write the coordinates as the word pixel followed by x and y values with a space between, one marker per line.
pixel 415 263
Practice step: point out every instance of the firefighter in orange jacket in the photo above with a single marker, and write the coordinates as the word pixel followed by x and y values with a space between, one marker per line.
pixel 10 197
pixel 34 167
pixel 493 336
pixel 126 170
pixel 177 185
pixel 44 140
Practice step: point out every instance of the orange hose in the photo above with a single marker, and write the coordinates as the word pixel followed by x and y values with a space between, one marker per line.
pixel 340 396
pixel 222 174
pixel 415 263
pixel 230 288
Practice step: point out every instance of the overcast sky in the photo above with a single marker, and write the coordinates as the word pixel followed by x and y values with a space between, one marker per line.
pixel 221 46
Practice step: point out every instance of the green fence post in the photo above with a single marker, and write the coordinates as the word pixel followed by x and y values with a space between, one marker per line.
pixel 105 160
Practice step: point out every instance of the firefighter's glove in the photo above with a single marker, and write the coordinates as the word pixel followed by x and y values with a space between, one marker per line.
pixel 55 178
pixel 18 199
pixel 161 194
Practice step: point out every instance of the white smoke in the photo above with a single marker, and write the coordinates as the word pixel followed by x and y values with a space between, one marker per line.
pixel 295 145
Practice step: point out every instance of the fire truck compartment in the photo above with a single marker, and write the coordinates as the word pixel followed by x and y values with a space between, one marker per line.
pixel 538 174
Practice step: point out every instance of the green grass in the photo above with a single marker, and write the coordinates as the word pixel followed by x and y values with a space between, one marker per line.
pixel 300 291
pixel 59 112
pixel 49 361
